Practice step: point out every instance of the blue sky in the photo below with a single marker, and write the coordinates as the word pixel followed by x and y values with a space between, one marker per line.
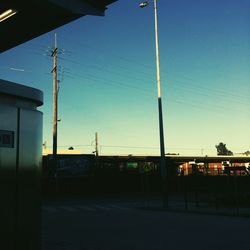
pixel 109 84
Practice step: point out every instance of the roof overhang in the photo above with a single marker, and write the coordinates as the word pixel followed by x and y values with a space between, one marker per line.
pixel 36 17
pixel 18 91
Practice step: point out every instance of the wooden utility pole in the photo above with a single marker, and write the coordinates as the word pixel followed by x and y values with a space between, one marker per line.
pixel 55 92
pixel 96 144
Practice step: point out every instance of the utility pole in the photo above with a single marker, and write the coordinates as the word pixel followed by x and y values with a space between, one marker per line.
pixel 55 92
pixel 96 144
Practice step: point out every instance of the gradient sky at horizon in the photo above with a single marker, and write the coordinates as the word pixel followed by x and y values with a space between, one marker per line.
pixel 109 80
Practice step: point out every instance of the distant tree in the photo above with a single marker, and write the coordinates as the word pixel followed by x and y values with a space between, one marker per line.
pixel 247 153
pixel 222 149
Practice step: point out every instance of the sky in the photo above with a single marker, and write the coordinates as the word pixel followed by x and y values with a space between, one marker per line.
pixel 107 78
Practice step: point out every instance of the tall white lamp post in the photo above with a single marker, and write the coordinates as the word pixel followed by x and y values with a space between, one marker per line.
pixel 161 130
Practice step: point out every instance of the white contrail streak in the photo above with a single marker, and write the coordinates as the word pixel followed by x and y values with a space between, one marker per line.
pixel 22 70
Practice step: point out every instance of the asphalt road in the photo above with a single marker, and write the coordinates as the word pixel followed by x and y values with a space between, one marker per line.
pixel 120 224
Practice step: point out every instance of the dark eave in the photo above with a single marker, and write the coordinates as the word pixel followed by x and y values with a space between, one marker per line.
pixel 36 17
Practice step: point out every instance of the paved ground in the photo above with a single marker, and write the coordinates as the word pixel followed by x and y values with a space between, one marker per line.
pixel 120 224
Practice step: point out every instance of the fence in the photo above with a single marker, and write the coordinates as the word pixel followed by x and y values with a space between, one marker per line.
pixel 227 195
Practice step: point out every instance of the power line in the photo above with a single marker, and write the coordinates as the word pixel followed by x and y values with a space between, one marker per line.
pixel 145 76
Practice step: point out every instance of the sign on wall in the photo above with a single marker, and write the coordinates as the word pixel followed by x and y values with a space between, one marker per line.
pixel 6 139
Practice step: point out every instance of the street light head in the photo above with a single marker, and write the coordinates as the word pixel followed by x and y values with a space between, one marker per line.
pixel 143 4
